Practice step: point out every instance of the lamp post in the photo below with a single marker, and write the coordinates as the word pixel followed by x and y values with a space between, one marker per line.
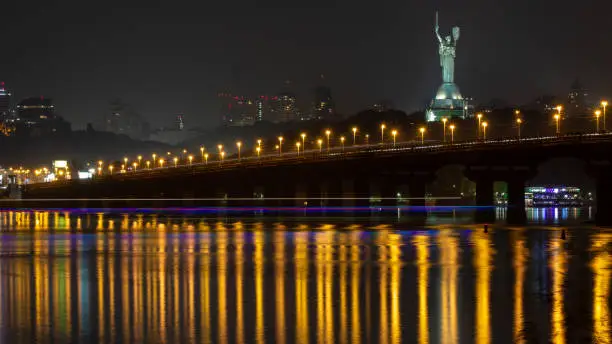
pixel 258 142
pixel 327 133
pixel 367 139
pixel 320 143
pixel 354 135
pixel 557 119
pixel 154 158
pixel 452 129
pixel 422 131
pixel 280 145
pixel 161 162
pixel 394 134
pixel 139 159
pixel 239 145
pixel 175 161
pixel 604 104
pixel 190 157
pixel 206 158
pixel 202 152
pixel 258 150
pixel 484 130
pixel 518 127
pixel 148 164
pixel 222 157
pixel 597 114
pixel 135 165
pixel 297 146
pixel 125 161
pixel 110 169
pixel 479 116
pixel 342 142
pixel 303 135
pixel 382 133
pixel 444 129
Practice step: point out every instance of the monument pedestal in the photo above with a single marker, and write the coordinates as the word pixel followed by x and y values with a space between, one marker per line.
pixel 448 103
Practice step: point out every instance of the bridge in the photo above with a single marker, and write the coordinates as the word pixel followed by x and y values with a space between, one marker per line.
pixel 351 175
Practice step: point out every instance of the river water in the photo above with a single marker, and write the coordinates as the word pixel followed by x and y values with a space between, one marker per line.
pixel 204 276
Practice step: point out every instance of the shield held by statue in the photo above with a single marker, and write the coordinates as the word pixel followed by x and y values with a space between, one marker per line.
pixel 456 33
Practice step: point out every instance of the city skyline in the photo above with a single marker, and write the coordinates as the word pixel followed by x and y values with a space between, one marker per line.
pixel 367 53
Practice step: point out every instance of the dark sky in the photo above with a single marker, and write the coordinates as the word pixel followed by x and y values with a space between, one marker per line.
pixel 174 56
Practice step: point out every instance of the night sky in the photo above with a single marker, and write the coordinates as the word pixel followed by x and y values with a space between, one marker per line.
pixel 173 57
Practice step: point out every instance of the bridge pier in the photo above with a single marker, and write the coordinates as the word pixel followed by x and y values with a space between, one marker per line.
pixel 361 191
pixel 516 201
pixel 601 171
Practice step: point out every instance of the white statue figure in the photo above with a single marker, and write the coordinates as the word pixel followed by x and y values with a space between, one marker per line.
pixel 446 50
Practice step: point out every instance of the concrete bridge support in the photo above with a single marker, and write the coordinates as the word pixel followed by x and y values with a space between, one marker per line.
pixel 601 171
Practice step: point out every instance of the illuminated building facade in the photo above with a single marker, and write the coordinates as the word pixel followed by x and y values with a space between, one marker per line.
pixel 36 116
pixel 284 108
pixel 241 111
pixel 323 105
pixel 556 196
pixel 5 101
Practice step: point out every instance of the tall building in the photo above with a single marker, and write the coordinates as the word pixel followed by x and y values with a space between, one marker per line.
pixel 36 116
pixel 283 108
pixel 5 101
pixel 239 111
pixel 577 104
pixel 323 106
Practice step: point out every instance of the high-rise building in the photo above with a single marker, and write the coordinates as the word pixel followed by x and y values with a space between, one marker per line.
pixel 5 101
pixel 323 105
pixel 239 111
pixel 283 108
pixel 577 104
pixel 36 116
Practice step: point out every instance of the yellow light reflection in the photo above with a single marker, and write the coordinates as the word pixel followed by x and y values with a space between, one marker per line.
pixel 395 262
pixel 421 242
pixel 239 243
pixel 301 289
pixel 558 261
pixel 342 256
pixel 355 270
pixel 279 270
pixel 258 260
pixel 222 285
pixel 521 254
pixel 383 257
pixel 483 254
pixel 602 266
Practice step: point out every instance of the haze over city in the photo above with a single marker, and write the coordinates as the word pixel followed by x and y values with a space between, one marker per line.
pixel 166 58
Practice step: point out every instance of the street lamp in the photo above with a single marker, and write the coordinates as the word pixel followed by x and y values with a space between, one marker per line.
pixel 175 161
pixel 354 135
pixel 484 130
pixel 297 145
pixel 135 165
pixel 518 127
pixel 280 145
pixel 394 134
pixel 139 159
pixel 327 133
pixel 444 129
pixel 258 150
pixel 342 142
pixel 367 139
pixel 206 158
pixel 125 160
pixel 604 104
pixel 452 129
pixel 100 162
pixel 258 142
pixel 303 135
pixel 110 168
pixel 238 144
pixel 597 114
pixel 154 158
pixel 479 116
pixel 220 148
pixel 148 164
pixel 382 133
pixel 222 157
pixel 557 119
pixel 202 152
pixel 190 157
pixel 422 131
pixel 161 162
pixel 320 143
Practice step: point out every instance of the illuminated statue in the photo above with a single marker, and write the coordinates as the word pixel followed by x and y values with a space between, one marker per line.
pixel 447 46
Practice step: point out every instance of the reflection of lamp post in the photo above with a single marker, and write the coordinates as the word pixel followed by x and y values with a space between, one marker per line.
pixel 354 135
pixel 422 131
pixel 327 133
pixel 394 134
pixel 280 145
pixel 518 127
pixel 479 116
pixel 382 133
pixel 452 129
pixel 604 104
pixel 484 130
pixel 597 114
pixel 444 129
